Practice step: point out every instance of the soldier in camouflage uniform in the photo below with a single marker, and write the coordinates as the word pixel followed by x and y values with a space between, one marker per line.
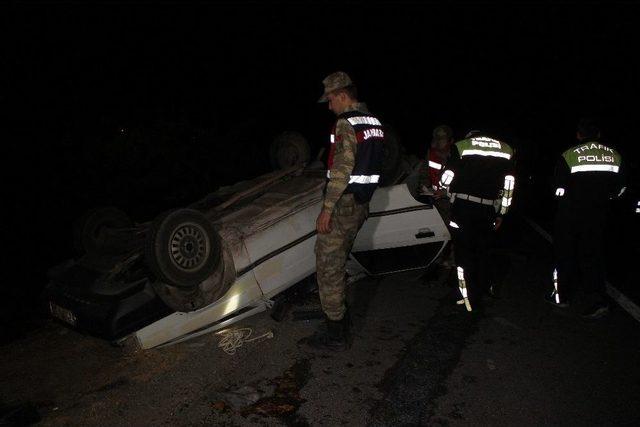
pixel 354 165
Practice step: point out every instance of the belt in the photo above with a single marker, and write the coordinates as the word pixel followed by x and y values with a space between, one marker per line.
pixel 474 199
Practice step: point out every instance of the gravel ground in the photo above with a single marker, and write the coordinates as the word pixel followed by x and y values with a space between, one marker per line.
pixel 416 359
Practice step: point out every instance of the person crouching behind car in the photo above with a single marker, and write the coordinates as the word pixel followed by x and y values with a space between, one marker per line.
pixel 429 183
pixel 353 172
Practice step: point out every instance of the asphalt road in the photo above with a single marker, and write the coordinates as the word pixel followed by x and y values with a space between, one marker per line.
pixel 416 359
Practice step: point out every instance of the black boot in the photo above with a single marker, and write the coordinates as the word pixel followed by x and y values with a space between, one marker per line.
pixel 334 338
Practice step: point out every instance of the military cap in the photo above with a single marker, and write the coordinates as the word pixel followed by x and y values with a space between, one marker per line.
pixel 335 81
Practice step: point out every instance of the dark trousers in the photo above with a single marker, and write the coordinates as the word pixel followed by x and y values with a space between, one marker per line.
pixel 578 242
pixel 473 241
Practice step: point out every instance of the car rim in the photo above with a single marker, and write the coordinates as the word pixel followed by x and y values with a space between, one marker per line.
pixel 189 246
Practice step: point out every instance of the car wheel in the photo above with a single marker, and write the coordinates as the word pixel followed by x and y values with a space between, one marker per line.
pixel 179 299
pixel 288 149
pixel 182 248
pixel 91 232
pixel 391 156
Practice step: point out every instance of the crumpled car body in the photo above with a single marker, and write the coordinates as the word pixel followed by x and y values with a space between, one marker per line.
pixel 267 245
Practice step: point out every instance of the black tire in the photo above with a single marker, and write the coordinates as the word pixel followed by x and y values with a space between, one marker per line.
pixel 280 309
pixel 180 299
pixel 289 149
pixel 182 248
pixel 210 290
pixel 392 156
pixel 90 232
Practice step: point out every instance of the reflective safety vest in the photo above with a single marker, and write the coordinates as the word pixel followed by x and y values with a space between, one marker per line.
pixel 592 173
pixel 480 170
pixel 369 154
pixel 592 157
pixel 484 146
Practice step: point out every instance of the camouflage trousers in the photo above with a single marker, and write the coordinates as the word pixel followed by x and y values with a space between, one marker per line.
pixel 332 250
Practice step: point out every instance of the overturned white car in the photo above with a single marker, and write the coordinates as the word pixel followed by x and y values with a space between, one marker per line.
pixel 199 269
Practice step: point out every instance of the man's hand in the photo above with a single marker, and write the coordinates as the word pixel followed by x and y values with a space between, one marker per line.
pixel 497 223
pixel 424 190
pixel 323 223
pixel 440 193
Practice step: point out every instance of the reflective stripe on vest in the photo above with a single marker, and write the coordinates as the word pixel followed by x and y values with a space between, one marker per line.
pixel 435 165
pixel 595 168
pixel 507 195
pixel 446 178
pixel 360 179
pixel 364 120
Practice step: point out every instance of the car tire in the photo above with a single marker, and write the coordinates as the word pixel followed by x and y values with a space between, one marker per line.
pixel 182 248
pixel 90 232
pixel 288 149
pixel 210 290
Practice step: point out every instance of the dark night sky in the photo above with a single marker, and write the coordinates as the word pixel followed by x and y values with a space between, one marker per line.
pixel 513 66
pixel 234 74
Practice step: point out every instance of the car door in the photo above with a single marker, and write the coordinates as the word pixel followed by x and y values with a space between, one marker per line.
pixel 401 233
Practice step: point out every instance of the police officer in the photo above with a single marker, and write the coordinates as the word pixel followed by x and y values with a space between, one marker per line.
pixel 480 181
pixel 437 157
pixel 587 176
pixel 354 166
